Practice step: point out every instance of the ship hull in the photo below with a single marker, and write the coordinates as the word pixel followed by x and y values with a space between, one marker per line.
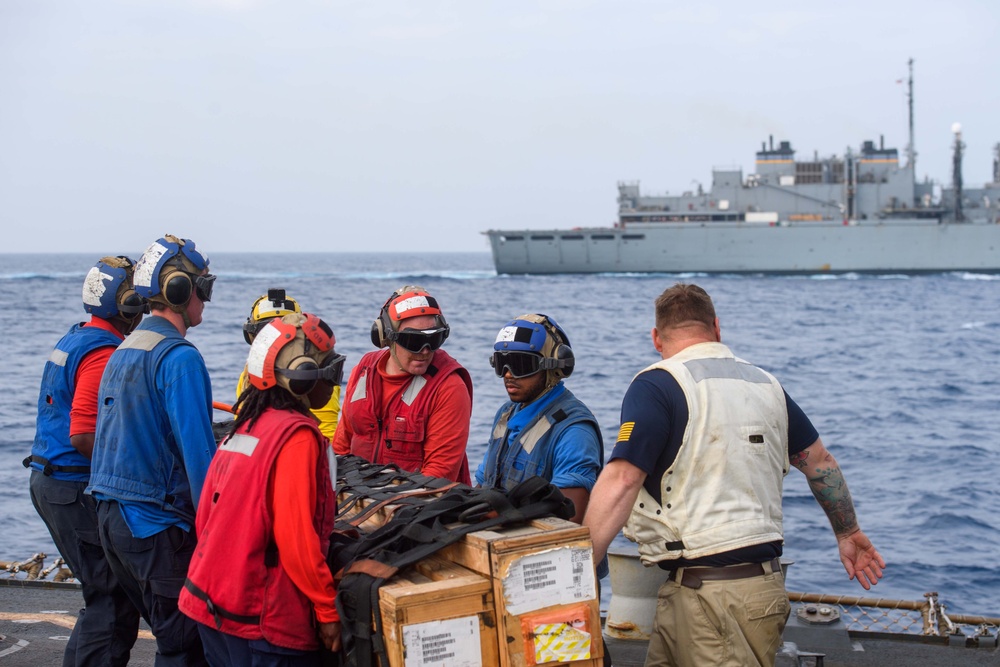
pixel 899 246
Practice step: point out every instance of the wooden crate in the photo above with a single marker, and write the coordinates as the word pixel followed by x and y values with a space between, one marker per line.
pixel 544 587
pixel 439 614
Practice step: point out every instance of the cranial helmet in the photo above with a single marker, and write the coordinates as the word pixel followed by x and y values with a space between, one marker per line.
pixel 294 352
pixel 108 290
pixel 406 302
pixel 170 271
pixel 266 308
pixel 540 335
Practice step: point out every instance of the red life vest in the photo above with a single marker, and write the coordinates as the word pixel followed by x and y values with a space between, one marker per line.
pixel 398 436
pixel 235 582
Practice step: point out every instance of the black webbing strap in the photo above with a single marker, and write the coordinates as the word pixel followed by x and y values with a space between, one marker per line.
pixel 415 532
pixel 411 497
pixel 216 611
pixel 48 468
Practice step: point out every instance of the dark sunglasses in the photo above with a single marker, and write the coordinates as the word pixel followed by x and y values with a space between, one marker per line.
pixel 332 371
pixel 415 340
pixel 203 286
pixel 520 364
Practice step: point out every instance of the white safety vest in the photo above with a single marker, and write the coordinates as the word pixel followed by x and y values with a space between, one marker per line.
pixel 723 490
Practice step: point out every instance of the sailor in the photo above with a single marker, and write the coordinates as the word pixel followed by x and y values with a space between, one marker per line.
pixel 409 402
pixel 154 443
pixel 696 479
pixel 106 627
pixel 258 583
pixel 270 306
pixel 543 429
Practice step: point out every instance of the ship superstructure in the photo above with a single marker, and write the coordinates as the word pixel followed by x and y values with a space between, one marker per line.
pixel 863 211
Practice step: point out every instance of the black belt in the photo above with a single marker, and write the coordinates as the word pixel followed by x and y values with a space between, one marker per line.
pixel 48 468
pixel 692 577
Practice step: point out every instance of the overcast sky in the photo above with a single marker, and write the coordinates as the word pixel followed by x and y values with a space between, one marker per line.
pixel 414 125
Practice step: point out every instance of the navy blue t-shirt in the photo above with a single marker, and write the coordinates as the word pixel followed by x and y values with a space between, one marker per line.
pixel 655 416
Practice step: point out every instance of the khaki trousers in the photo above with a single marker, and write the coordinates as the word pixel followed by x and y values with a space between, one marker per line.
pixel 724 623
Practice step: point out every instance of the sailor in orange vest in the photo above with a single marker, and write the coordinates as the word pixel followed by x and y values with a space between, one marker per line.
pixel 258 584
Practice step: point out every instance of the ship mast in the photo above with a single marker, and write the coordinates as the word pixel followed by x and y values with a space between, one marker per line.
pixel 911 151
pixel 956 171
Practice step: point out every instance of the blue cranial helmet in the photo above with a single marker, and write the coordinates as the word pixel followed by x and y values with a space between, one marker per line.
pixel 108 289
pixel 165 273
pixel 538 334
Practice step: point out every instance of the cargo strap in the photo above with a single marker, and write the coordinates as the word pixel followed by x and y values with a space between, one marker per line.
pixel 359 480
pixel 48 468
pixel 413 533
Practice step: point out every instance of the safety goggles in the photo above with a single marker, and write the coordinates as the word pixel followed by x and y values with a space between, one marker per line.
pixel 203 286
pixel 332 371
pixel 520 364
pixel 415 340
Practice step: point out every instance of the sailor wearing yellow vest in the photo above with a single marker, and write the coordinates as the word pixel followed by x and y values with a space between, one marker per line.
pixel 271 306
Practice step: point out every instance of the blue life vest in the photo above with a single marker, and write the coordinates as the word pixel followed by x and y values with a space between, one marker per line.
pixel 136 458
pixel 536 438
pixel 52 452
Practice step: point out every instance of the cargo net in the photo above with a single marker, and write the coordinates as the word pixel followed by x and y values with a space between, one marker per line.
pixel 33 569
pixel 879 616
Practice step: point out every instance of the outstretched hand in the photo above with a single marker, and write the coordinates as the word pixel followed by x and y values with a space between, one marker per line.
pixel 861 559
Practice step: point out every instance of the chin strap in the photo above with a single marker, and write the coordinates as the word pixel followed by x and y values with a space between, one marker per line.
pixel 392 353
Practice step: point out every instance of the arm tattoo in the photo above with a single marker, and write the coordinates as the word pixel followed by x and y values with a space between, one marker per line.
pixel 830 489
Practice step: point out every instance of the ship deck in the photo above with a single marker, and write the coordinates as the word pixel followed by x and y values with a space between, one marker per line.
pixel 35 622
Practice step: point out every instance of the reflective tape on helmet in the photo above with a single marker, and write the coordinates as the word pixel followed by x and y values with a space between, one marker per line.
pixel 145 269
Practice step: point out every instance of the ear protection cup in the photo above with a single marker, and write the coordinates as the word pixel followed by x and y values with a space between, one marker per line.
pixel 565 359
pixel 563 354
pixel 131 304
pixel 382 325
pixel 301 387
pixel 378 334
pixel 177 288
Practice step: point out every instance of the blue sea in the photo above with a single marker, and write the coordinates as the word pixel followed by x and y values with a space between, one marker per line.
pixel 900 374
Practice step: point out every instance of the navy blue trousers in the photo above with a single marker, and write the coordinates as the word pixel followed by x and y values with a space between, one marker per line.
pixel 224 650
pixel 107 626
pixel 152 571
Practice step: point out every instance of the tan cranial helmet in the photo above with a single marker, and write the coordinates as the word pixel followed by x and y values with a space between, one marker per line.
pixel 294 352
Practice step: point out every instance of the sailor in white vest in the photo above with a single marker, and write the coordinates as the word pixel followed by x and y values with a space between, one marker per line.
pixel 695 478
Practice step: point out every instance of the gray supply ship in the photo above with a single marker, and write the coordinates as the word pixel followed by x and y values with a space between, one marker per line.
pixel 860 212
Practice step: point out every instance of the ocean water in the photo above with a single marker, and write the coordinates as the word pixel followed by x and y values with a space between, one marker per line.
pixel 900 374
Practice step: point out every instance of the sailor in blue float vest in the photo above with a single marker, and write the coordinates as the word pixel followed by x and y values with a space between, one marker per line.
pixel 60 461
pixel 543 429
pixel 154 444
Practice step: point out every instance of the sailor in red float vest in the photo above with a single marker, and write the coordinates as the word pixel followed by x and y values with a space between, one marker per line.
pixel 258 582
pixel 409 403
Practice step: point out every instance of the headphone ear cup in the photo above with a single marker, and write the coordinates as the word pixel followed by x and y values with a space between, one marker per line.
pixel 301 387
pixel 566 359
pixel 247 327
pixel 378 335
pixel 177 288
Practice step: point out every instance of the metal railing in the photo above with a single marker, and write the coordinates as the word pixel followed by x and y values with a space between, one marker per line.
pixel 896 617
